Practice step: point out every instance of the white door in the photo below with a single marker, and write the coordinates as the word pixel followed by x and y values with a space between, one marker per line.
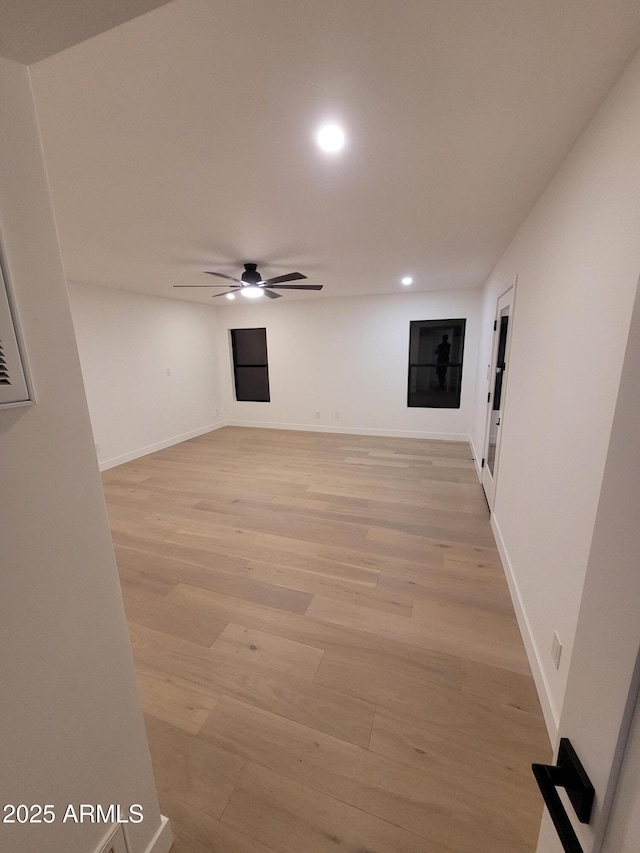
pixel 604 672
pixel 498 387
pixel 623 829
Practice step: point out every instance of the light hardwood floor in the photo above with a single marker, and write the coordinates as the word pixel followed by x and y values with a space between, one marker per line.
pixel 327 655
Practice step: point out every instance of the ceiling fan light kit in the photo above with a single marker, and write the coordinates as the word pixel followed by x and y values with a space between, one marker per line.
pixel 252 285
pixel 251 292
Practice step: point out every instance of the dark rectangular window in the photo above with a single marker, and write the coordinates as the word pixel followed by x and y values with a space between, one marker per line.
pixel 435 363
pixel 250 365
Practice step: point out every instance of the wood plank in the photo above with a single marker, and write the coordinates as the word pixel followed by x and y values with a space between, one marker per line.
pixel 428 549
pixel 293 525
pixel 427 804
pixel 360 618
pixel 502 773
pixel 462 584
pixel 190 769
pixel 291 697
pixel 200 568
pixel 171 618
pixel 145 587
pixel 183 704
pixel 390 688
pixel 171 563
pixel 268 650
pixel 292 817
pixel 314 577
pixel 360 646
pixel 447 710
pixel 470 632
pixel 500 685
pixel 196 832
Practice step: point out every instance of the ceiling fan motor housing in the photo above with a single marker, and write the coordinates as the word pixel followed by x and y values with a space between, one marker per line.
pixel 251 274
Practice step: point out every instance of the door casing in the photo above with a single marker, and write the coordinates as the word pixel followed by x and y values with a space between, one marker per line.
pixel 489 477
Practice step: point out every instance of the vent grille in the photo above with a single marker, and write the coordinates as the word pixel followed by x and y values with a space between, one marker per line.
pixel 14 390
pixel 4 370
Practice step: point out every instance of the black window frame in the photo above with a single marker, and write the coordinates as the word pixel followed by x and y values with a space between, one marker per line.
pixel 242 383
pixel 438 400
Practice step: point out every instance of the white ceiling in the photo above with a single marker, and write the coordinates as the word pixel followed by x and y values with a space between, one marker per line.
pixel 31 30
pixel 183 140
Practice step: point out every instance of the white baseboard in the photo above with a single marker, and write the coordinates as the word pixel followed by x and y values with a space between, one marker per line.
pixel 162 841
pixel 477 458
pixel 160 445
pixel 549 711
pixel 114 840
pixel 391 433
pixel 118 839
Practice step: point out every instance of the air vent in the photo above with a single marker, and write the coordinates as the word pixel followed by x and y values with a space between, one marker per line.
pixel 14 389
pixel 4 370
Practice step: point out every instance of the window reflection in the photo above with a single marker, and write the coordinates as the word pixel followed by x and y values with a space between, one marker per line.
pixel 435 363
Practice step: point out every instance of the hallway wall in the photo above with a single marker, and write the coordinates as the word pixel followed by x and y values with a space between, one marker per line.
pixel 576 259
pixel 72 731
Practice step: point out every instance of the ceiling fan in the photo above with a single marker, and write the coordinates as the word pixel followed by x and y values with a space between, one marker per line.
pixel 252 284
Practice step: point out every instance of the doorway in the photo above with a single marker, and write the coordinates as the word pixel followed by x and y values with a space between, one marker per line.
pixel 495 402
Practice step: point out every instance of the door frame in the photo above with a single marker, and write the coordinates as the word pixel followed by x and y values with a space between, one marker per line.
pixel 489 479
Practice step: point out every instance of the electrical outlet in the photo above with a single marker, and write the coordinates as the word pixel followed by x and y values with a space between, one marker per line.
pixel 556 649
pixel 337 416
pixel 98 448
pixel 317 415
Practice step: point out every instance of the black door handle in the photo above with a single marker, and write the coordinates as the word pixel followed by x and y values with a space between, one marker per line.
pixel 567 773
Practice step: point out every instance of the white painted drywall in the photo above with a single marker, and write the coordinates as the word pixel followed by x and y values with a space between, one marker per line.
pixel 624 825
pixel 601 683
pixel 577 259
pixel 70 722
pixel 349 356
pixel 149 369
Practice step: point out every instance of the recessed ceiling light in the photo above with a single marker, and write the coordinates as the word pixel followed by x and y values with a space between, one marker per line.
pixel 231 296
pixel 251 292
pixel 407 280
pixel 331 138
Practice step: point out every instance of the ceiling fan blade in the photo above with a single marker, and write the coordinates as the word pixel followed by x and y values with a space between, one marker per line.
pixel 296 286
pixel 271 294
pixel 233 290
pixel 222 275
pixel 291 276
pixel 201 285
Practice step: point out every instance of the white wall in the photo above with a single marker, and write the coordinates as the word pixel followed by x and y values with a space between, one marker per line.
pixel 577 259
pixel 349 356
pixel 605 666
pixel 624 827
pixel 70 723
pixel 127 343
